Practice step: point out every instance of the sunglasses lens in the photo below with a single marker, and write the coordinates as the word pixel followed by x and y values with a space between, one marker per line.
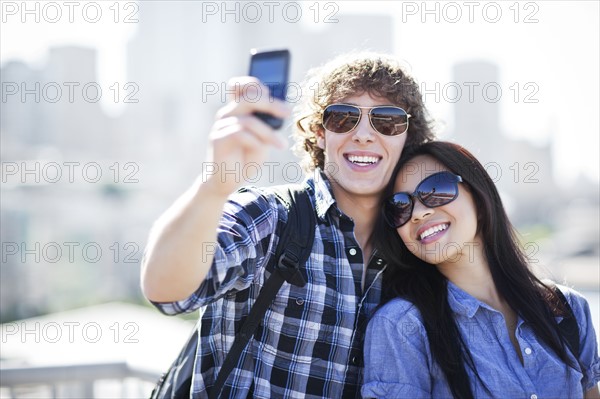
pixel 438 189
pixel 389 121
pixel 398 209
pixel 339 118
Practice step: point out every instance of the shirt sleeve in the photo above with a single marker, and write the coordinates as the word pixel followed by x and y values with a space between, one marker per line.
pixel 396 354
pixel 588 342
pixel 245 240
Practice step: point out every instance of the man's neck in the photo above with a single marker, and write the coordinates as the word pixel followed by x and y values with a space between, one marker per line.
pixel 363 211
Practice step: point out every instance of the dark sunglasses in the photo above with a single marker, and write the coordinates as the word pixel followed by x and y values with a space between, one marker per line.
pixel 385 119
pixel 436 190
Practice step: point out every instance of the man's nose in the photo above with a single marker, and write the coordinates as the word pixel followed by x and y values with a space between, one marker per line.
pixel 364 132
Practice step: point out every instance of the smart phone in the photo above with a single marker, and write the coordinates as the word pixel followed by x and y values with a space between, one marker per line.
pixel 272 69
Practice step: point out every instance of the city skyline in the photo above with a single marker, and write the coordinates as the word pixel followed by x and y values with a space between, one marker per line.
pixel 522 42
pixel 129 168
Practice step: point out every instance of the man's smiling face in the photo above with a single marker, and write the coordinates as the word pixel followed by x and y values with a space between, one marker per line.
pixel 360 162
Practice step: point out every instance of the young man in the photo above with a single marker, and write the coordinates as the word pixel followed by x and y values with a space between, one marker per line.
pixel 209 250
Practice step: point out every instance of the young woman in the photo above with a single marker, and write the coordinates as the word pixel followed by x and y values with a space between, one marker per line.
pixel 463 316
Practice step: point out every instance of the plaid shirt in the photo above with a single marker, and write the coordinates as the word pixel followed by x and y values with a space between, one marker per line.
pixel 309 344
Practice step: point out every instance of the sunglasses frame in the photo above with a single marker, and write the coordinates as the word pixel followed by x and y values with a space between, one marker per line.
pixel 389 202
pixel 360 114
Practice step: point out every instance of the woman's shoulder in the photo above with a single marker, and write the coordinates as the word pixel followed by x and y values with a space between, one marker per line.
pixel 398 308
pixel 575 299
pixel 398 319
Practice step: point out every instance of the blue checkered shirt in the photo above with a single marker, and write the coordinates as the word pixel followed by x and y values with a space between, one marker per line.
pixel 309 344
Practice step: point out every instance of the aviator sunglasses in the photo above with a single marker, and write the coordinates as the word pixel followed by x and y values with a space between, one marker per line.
pixel 385 119
pixel 436 190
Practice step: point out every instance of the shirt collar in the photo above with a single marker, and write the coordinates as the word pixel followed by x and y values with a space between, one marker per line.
pixel 323 195
pixel 462 302
pixel 467 305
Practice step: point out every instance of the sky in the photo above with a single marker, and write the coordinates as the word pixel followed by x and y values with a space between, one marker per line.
pixel 547 52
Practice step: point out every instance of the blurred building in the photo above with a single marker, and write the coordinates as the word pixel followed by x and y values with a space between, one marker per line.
pixel 63 191
pixel 55 107
pixel 22 121
pixel 523 171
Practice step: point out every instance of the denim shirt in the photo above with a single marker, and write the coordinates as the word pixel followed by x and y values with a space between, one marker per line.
pixel 399 363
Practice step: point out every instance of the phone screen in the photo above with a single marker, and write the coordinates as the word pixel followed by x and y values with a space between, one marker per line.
pixel 272 72
pixel 271 68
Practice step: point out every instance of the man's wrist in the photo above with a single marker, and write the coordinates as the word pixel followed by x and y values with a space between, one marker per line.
pixel 211 188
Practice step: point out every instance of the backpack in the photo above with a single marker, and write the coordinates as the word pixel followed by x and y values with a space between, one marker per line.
pixel 293 249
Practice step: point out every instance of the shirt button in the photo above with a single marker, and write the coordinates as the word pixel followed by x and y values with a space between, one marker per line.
pixel 300 301
pixel 352 251
pixel 379 261
pixel 528 351
pixel 355 360
pixel 534 396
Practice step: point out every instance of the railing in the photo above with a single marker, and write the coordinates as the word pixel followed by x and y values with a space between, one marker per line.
pixel 99 380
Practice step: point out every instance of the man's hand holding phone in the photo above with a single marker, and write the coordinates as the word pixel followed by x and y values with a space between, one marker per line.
pixel 243 130
pixel 238 137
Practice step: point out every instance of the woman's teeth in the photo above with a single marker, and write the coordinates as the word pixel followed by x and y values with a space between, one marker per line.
pixel 431 231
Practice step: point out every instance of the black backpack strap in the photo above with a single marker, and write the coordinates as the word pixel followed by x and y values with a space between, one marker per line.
pixel 296 239
pixel 293 250
pixel 568 325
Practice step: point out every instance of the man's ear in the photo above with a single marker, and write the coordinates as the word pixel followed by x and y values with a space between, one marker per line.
pixel 320 134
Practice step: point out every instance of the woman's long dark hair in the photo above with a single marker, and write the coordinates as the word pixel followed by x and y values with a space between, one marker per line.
pixel 421 283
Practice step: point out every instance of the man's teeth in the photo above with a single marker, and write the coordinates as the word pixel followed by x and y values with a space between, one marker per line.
pixel 361 159
pixel 433 230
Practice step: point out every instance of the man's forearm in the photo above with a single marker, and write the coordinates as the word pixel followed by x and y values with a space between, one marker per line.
pixel 179 250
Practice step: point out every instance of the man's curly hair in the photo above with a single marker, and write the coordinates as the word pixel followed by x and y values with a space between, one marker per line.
pixel 349 75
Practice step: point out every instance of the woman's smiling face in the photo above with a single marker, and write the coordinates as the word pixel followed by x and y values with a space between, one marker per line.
pixel 442 234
